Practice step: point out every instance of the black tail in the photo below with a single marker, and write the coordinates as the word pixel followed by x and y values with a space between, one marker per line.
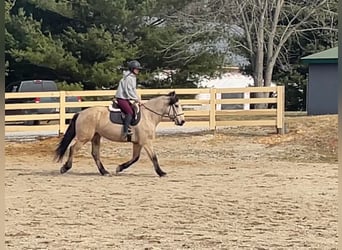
pixel 67 138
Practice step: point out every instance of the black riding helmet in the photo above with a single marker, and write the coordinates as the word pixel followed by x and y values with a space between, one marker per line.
pixel 133 65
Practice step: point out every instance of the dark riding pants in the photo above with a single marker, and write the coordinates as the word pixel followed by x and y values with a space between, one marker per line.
pixel 125 105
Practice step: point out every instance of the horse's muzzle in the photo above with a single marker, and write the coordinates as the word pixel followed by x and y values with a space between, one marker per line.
pixel 180 123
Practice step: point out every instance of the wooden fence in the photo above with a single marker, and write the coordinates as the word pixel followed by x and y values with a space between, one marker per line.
pixel 198 112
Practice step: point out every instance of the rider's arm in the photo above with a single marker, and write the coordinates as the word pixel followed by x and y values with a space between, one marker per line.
pixel 131 89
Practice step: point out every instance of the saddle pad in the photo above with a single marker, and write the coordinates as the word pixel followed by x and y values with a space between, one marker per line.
pixel 117 117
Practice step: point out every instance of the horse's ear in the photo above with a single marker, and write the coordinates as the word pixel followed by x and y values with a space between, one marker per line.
pixel 173 93
pixel 173 97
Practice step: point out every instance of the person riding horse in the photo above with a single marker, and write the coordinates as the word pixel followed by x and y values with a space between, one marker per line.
pixel 126 93
pixel 93 123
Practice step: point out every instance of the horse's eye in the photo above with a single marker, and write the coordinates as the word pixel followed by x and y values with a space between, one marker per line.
pixel 176 105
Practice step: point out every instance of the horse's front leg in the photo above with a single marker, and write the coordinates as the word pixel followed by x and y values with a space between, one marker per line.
pixel 154 159
pixel 136 154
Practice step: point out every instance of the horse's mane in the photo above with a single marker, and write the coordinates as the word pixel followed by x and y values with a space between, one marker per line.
pixel 173 98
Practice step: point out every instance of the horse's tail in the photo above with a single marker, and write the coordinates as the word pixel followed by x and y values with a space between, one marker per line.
pixel 67 138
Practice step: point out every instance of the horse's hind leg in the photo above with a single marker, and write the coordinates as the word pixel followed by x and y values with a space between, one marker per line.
pixel 136 154
pixel 95 152
pixel 154 159
pixel 73 149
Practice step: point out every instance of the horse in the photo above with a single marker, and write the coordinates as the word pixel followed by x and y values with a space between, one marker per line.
pixel 93 123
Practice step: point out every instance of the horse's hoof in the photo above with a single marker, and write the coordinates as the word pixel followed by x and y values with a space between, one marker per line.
pixel 107 174
pixel 118 170
pixel 63 170
pixel 162 174
pixel 104 172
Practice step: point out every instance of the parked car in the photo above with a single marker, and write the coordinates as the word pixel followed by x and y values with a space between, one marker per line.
pixel 36 86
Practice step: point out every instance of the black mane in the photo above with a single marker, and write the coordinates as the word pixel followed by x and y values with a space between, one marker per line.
pixel 173 97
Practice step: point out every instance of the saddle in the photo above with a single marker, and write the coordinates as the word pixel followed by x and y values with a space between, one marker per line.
pixel 117 116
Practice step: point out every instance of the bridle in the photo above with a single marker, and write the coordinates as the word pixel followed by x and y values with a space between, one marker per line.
pixel 172 117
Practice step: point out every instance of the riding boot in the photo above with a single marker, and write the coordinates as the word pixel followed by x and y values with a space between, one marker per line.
pixel 127 122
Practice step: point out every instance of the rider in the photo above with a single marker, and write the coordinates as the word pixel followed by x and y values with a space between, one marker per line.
pixel 126 93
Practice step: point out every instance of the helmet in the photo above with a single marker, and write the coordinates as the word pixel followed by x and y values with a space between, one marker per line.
pixel 133 65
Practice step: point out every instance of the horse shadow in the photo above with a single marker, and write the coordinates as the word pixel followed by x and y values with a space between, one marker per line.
pixel 56 173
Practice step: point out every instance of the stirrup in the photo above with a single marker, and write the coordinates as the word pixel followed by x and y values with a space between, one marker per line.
pixel 128 136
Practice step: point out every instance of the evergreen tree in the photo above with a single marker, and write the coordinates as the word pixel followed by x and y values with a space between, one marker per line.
pixel 88 41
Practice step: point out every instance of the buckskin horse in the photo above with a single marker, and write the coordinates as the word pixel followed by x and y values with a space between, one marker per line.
pixel 93 123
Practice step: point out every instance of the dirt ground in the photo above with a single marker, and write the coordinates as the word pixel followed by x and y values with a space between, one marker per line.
pixel 241 188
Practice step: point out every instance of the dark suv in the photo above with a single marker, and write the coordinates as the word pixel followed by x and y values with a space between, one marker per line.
pixel 36 86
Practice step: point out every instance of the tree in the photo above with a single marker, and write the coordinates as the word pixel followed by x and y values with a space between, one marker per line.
pixel 178 37
pixel 87 41
pixel 56 37
pixel 268 25
pixel 290 71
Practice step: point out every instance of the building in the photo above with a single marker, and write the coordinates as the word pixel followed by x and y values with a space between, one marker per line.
pixel 322 88
pixel 232 79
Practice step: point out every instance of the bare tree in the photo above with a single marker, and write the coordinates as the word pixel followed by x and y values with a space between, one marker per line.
pixel 256 29
pixel 268 24
pixel 199 27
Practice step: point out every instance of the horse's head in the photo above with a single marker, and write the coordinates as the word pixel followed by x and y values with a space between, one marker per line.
pixel 176 112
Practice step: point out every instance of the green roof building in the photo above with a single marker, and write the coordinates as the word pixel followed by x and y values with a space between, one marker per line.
pixel 322 88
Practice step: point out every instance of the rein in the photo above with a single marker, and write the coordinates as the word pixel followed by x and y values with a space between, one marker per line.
pixel 172 117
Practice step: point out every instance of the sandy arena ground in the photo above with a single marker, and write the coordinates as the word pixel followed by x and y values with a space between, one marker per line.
pixel 244 188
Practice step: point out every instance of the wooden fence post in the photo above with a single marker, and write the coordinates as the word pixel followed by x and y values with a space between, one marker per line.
pixel 212 112
pixel 62 112
pixel 280 110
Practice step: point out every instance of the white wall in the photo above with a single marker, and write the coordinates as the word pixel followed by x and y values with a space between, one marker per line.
pixel 227 80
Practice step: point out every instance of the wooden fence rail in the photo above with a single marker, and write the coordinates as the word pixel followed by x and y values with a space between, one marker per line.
pixel 198 112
